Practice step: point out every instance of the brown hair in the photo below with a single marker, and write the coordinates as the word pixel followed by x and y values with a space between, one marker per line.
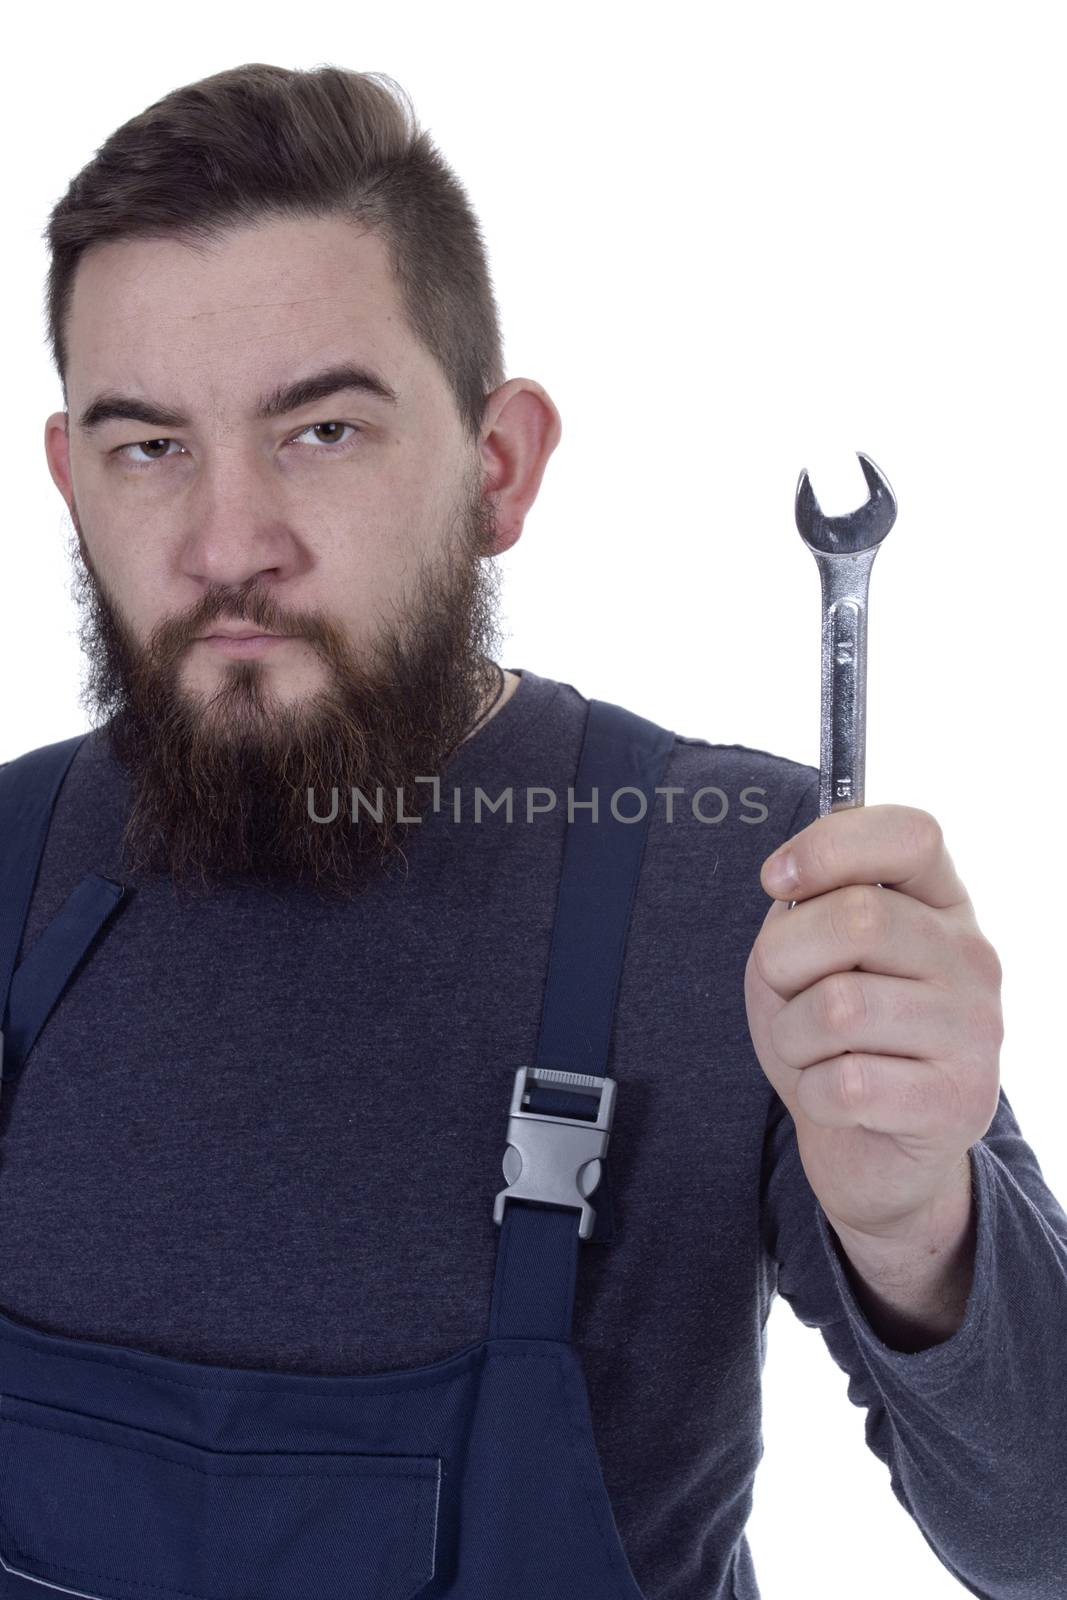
pixel 258 141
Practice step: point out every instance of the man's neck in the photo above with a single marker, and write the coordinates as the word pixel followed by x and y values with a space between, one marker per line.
pixel 511 683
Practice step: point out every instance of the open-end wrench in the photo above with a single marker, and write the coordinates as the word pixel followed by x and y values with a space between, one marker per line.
pixel 844 549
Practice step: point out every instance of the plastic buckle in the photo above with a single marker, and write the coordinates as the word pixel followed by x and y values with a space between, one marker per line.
pixel 556 1159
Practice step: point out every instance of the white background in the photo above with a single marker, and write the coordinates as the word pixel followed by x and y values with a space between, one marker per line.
pixel 731 243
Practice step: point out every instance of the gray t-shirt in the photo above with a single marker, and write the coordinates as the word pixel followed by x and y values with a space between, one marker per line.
pixel 266 1131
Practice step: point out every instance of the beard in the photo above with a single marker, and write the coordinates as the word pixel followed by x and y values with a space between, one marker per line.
pixel 228 787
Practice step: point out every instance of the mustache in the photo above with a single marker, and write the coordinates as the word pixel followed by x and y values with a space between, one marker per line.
pixel 248 607
pixel 249 603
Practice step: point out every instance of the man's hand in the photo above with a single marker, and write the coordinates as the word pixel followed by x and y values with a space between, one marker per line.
pixel 875 1014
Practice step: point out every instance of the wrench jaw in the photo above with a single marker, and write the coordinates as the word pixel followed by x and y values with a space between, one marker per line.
pixel 862 529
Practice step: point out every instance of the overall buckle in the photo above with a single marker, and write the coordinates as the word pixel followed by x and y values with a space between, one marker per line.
pixel 552 1158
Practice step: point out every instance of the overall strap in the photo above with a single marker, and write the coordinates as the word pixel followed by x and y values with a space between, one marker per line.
pixel 29 786
pixel 623 758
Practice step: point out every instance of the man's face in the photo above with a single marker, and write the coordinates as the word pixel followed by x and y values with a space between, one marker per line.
pixel 353 527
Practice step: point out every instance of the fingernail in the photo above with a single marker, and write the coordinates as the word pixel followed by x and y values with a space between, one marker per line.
pixel 781 872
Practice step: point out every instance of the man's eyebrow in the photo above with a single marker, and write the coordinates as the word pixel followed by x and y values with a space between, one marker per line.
pixel 287 397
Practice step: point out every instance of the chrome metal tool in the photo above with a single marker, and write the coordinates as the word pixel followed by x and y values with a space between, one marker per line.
pixel 844 549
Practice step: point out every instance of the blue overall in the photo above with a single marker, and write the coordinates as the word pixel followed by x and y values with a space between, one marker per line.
pixel 130 1476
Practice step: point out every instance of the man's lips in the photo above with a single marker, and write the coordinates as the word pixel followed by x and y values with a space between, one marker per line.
pixel 243 644
pixel 241 633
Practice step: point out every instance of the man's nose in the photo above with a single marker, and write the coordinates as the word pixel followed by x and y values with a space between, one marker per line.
pixel 238 525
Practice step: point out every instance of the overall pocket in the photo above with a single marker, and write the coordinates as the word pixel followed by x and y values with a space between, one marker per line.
pixel 113 1512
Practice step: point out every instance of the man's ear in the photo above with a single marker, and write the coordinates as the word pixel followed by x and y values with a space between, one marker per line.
pixel 57 452
pixel 521 429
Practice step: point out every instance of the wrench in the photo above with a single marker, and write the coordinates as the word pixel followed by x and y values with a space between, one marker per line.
pixel 844 549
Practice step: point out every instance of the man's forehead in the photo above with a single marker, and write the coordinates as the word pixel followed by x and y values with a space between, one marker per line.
pixel 220 339
pixel 269 287
pixel 276 262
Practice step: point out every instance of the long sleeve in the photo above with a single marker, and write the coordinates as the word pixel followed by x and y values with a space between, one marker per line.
pixel 973 1430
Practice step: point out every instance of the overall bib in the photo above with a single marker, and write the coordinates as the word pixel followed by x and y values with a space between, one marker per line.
pixel 126 1475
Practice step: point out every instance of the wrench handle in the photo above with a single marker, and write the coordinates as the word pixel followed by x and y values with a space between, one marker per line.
pixel 845 582
pixel 842 750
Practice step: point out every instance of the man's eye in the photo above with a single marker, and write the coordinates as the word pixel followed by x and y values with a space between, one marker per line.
pixel 337 445
pixel 317 427
pixel 145 444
